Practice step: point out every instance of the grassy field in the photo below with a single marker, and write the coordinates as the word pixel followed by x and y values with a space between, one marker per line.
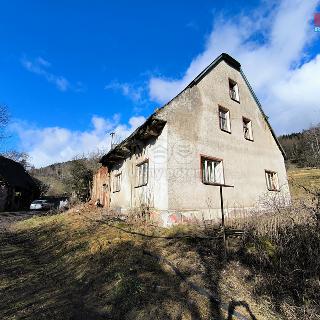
pixel 70 267
pixel 307 177
pixel 76 265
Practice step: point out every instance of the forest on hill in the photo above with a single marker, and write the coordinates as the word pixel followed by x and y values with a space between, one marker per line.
pixel 303 148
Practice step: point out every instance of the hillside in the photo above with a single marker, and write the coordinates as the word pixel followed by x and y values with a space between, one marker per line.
pixel 307 177
pixel 54 176
pixel 57 176
pixel 303 148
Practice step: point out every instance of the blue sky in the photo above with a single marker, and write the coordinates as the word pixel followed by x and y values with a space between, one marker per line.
pixel 73 71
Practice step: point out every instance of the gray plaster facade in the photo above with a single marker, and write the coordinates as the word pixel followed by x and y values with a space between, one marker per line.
pixel 177 138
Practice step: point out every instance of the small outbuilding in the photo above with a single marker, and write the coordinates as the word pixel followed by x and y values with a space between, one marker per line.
pixel 17 187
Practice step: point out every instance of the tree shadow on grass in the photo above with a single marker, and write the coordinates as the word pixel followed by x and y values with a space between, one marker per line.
pixel 211 255
pixel 44 275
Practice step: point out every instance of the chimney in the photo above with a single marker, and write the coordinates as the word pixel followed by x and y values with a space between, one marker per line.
pixel 113 145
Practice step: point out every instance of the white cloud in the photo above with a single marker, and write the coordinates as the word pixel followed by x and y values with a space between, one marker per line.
pixel 133 93
pixel 272 46
pixel 55 144
pixel 40 67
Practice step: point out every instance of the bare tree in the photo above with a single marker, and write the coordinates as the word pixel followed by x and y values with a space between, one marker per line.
pixel 20 157
pixel 303 148
pixel 312 146
pixel 17 156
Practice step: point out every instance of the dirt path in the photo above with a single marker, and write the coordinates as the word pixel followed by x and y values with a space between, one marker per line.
pixel 7 218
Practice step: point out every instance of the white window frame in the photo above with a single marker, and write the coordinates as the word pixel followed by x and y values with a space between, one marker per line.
pixel 272 180
pixel 234 90
pixel 224 119
pixel 116 186
pixel 212 171
pixel 247 128
pixel 142 173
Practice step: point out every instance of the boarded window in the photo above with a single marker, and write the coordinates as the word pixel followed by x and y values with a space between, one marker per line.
pixel 212 171
pixel 117 182
pixel 272 180
pixel 234 90
pixel 224 119
pixel 247 129
pixel 142 171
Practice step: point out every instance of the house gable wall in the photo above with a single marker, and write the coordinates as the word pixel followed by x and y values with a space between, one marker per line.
pixel 193 130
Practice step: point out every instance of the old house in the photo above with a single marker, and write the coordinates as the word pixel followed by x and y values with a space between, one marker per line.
pixel 212 142
pixel 17 188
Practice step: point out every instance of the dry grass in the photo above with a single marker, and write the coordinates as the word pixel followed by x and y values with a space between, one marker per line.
pixel 307 177
pixel 74 266
pixel 283 253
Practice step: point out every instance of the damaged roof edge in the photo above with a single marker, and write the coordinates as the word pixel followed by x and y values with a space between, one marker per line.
pixel 231 62
pixel 145 131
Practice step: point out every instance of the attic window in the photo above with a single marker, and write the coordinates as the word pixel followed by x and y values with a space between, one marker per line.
pixel 247 129
pixel 224 119
pixel 234 90
pixel 142 173
pixel 117 182
pixel 212 171
pixel 272 180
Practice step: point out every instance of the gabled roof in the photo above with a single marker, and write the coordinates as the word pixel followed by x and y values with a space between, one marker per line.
pixel 264 115
pixel 14 174
pixel 115 154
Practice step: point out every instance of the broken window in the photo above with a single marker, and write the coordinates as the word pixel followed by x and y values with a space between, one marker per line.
pixel 117 182
pixel 142 173
pixel 272 180
pixel 247 129
pixel 234 90
pixel 212 170
pixel 224 119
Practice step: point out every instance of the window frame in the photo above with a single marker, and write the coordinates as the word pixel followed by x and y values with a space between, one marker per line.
pixel 213 159
pixel 138 165
pixel 266 172
pixel 227 111
pixel 233 83
pixel 116 182
pixel 251 130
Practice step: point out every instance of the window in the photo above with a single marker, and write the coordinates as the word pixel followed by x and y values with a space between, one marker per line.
pixel 212 170
pixel 272 180
pixel 247 129
pixel 142 173
pixel 234 90
pixel 117 182
pixel 224 119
